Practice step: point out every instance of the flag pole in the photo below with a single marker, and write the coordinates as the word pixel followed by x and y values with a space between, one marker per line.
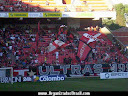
pixel 37 35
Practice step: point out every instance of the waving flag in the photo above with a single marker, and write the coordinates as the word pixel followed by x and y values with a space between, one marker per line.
pixel 55 45
pixel 87 41
pixel 90 38
pixel 63 39
pixel 83 50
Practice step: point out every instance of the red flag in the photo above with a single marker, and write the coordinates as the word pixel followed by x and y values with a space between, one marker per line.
pixel 87 41
pixel 83 50
pixel 89 38
pixel 53 47
pixel 37 34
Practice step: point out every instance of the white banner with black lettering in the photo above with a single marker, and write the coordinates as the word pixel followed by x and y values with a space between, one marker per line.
pixel 4 14
pixel 113 75
pixel 35 14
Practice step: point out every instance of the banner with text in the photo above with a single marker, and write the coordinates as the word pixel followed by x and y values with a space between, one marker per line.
pixel 52 14
pixel 78 14
pixel 18 15
pixel 39 78
pixel 4 15
pixel 113 75
pixel 35 14
pixel 69 70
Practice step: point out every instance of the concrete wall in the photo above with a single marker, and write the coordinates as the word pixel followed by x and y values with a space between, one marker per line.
pixel 73 22
pixel 89 22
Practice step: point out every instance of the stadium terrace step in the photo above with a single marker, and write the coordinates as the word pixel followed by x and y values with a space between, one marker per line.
pixel 41 3
pixel 42 0
pixel 8 6
pixel 96 2
pixel 91 0
pixel 98 5
pixel 123 39
pixel 47 39
pixel 35 0
pixel 45 36
pixel 34 3
pixel 120 33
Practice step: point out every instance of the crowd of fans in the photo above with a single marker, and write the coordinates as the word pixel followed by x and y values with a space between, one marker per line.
pixel 18 48
pixel 107 52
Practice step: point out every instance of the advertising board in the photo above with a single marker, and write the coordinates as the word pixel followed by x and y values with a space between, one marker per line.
pixel 52 14
pixel 18 15
pixel 39 78
pixel 3 14
pixel 113 75
pixel 35 14
pixel 16 79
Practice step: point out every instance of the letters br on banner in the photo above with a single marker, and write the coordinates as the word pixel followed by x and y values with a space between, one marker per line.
pixel 113 75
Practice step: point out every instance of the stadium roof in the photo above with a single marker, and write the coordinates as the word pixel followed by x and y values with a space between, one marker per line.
pixel 123 29
pixel 118 1
pixel 122 35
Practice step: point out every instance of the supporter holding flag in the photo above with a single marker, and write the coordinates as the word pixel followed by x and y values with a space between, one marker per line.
pixel 63 39
pixel 86 42
pixel 61 36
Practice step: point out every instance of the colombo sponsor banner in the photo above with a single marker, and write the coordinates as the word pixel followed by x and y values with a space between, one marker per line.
pixel 18 15
pixel 113 75
pixel 35 14
pixel 52 14
pixel 39 78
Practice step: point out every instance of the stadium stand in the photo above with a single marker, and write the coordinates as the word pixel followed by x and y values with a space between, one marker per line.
pixel 52 5
pixel 18 45
pixel 93 5
pixel 120 34
pixel 21 51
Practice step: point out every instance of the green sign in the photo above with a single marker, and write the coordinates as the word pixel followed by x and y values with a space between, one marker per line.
pixel 52 14
pixel 18 14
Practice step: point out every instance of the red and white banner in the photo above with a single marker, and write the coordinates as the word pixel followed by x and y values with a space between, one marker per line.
pixel 86 41
pixel 88 38
pixel 21 72
pixel 83 50
pixel 55 45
